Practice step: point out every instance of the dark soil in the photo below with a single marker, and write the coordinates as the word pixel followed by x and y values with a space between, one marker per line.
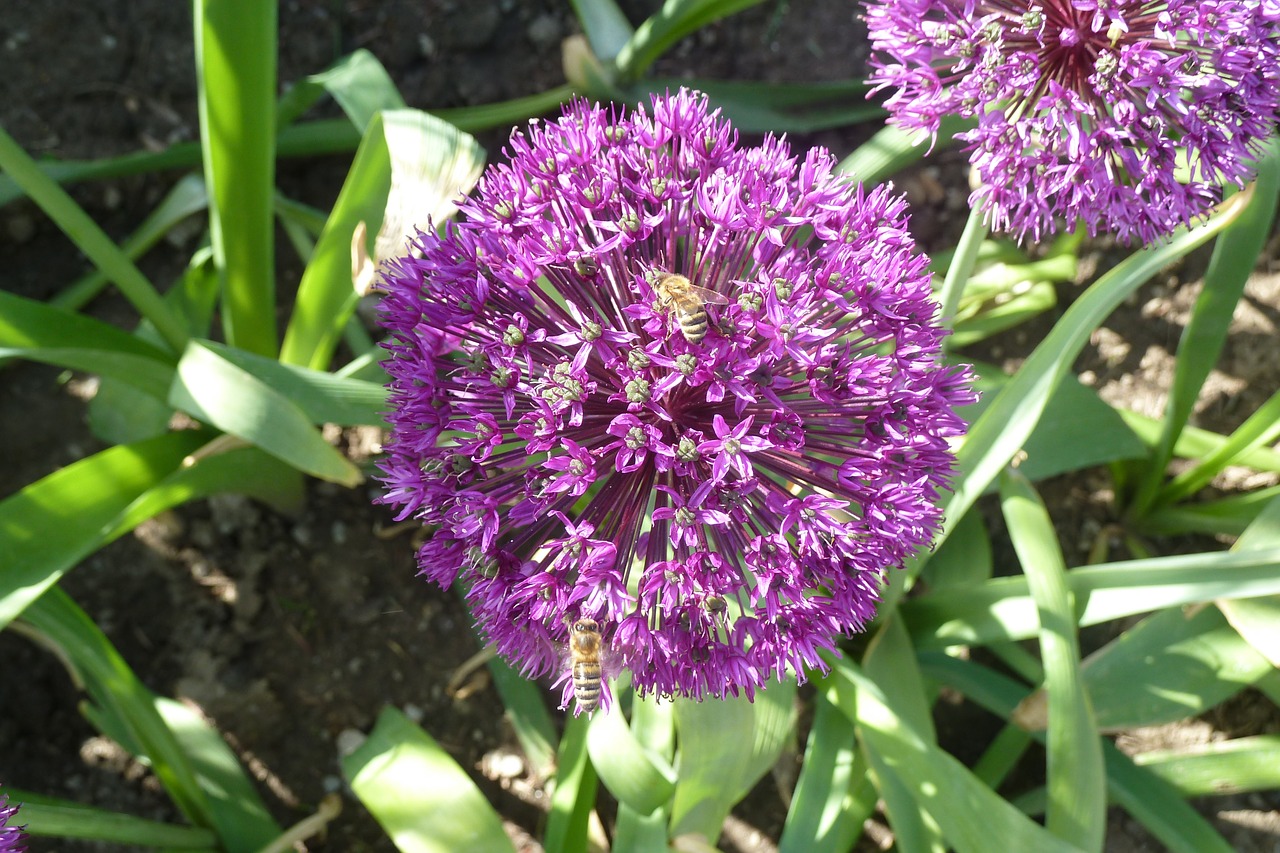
pixel 289 632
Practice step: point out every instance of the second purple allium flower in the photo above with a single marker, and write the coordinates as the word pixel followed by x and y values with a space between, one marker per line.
pixel 12 838
pixel 1086 109
pixel 723 501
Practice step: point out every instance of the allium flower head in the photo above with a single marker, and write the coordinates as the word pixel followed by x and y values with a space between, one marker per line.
pixel 11 837
pixel 723 507
pixel 1086 108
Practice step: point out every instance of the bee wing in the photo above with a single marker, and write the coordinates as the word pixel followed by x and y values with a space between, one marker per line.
pixel 710 297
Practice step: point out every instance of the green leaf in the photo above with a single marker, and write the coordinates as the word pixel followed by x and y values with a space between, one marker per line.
pixel 218 392
pixel 574 797
pixel 46 816
pixel 1170 667
pixel 235 45
pixel 1229 516
pixel 774 107
pixel 640 779
pixel 33 330
pixel 120 697
pixel 525 709
pixel 239 814
pixel 1013 414
pixel 969 814
pixel 892 149
pixel 409 166
pixel 90 239
pixel 186 198
pixel 56 522
pixel 1213 769
pixel 1076 807
pixel 419 795
pixel 675 20
pixel 965 558
pixel 1258 619
pixel 1206 331
pixel 1002 609
pixel 725 747
pixel 833 796
pixel 1259 429
pixel 606 27
pixel 325 398
pixel 1077 429
pixel 358 82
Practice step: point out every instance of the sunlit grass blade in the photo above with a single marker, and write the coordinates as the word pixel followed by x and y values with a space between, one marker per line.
pixel 772 107
pixel 1002 609
pixel 357 81
pixel 1002 756
pixel 235 43
pixel 238 813
pixel 969 814
pixel 52 524
pixel 447 161
pixel 1222 767
pixel 1149 799
pixel 216 391
pixel 574 798
pixel 91 240
pixel 119 695
pixel 49 817
pixel 1013 414
pixel 324 397
pixel 1258 619
pixel 653 726
pixel 35 331
pixel 1229 516
pixel 1197 443
pixel 639 833
pixel 1233 260
pixel 186 198
pixel 1076 806
pixel 605 26
pixel 1077 429
pixel 243 471
pixel 833 795
pixel 640 780
pixel 724 749
pixel 675 20
pixel 424 801
pixel 527 712
pixel 892 149
pixel 965 558
pixel 1260 429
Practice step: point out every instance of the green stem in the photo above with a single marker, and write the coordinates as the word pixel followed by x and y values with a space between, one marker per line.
pixel 91 240
pixel 961 268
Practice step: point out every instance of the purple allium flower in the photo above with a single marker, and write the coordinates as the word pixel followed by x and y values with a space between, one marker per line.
pixel 724 508
pixel 1086 108
pixel 11 837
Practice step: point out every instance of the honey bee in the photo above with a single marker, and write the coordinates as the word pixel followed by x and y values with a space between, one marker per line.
pixel 585 650
pixel 688 302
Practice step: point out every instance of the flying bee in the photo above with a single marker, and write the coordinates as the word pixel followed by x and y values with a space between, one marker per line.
pixel 585 649
pixel 688 302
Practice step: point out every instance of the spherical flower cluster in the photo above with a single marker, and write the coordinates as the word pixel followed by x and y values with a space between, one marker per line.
pixel 723 501
pixel 1122 115
pixel 11 837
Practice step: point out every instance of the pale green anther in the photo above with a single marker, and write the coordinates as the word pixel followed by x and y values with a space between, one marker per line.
pixel 476 361
pixel 732 446
pixel 684 516
pixel 577 467
pixel 750 301
pixel 1032 21
pixel 591 194
pixel 782 287
pixel 630 222
pixel 638 390
pixel 503 210
pixel 1106 64
pixel 687 450
pixel 591 330
pixel 501 377
pixel 513 336
pixel 615 133
pixel 658 186
pixel 431 467
pixel 637 359
pixel 586 267
pixel 687 363
pixel 635 438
